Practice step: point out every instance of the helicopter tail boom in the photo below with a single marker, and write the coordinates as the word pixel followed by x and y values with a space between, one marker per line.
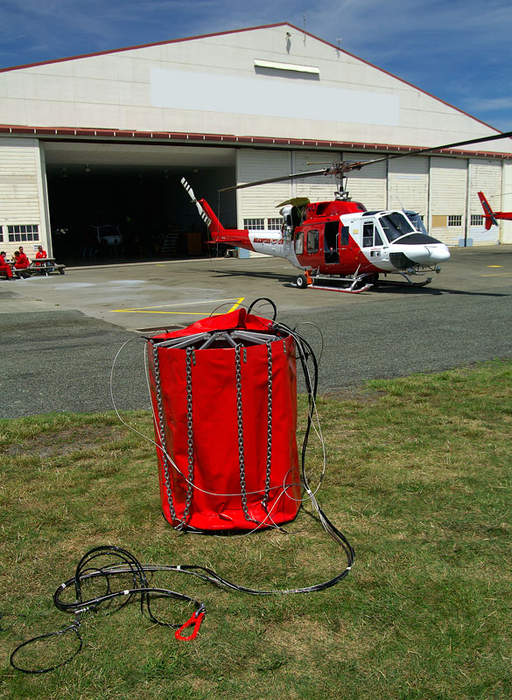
pixel 219 234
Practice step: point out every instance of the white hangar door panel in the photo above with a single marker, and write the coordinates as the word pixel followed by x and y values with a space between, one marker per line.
pixel 320 188
pixel 408 185
pixel 506 201
pixel 448 180
pixel 484 176
pixel 256 206
pixel 368 185
pixel 22 199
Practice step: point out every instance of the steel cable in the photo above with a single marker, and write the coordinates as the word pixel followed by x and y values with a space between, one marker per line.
pixel 130 565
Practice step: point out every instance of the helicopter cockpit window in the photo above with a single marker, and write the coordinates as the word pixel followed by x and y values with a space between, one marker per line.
pixel 395 225
pixel 312 245
pixel 417 221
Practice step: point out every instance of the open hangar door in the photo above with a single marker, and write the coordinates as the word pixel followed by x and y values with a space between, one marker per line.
pixel 125 202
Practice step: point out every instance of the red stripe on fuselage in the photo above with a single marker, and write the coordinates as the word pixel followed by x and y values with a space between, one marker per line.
pixel 351 258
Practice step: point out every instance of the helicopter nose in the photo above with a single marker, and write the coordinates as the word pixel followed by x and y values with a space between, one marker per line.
pixel 438 253
pixel 428 254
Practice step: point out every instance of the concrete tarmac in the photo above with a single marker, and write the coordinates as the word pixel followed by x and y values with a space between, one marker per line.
pixel 59 334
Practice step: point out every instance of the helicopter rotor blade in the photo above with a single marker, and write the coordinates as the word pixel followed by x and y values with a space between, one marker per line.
pixel 418 151
pixel 280 178
pixel 342 168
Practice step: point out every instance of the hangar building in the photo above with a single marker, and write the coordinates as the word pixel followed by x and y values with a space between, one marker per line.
pixel 92 148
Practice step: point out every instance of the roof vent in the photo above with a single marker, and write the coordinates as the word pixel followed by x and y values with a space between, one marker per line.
pixel 310 70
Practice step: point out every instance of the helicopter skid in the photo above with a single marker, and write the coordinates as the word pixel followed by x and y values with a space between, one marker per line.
pixel 405 283
pixel 346 290
pixel 348 285
pixel 423 283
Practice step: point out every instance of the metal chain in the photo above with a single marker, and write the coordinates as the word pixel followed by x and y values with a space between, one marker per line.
pixel 239 413
pixel 264 501
pixel 161 430
pixel 190 437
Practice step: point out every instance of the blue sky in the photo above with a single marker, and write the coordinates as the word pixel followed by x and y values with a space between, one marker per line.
pixel 458 50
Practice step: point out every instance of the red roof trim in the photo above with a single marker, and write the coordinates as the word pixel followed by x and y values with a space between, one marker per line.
pixel 145 46
pixel 396 77
pixel 238 31
pixel 228 139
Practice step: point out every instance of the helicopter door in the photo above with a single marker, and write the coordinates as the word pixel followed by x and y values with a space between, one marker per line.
pixel 372 241
pixel 313 249
pixel 331 242
pixel 309 247
pixel 299 243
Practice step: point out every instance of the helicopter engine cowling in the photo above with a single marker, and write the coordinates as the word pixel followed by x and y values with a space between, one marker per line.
pixel 400 261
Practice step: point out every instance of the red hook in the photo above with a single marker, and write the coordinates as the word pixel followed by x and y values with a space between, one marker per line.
pixel 195 620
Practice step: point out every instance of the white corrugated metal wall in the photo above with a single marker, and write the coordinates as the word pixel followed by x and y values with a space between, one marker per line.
pixel 408 183
pixel 22 196
pixel 447 185
pixel 447 217
pixel 369 184
pixel 260 202
pixel 441 189
pixel 484 176
pixel 320 188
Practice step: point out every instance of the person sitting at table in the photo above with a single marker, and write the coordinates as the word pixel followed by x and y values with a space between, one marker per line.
pixel 41 253
pixel 4 266
pixel 20 260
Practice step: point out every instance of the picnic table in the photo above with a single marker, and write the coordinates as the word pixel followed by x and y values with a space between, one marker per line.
pixel 40 266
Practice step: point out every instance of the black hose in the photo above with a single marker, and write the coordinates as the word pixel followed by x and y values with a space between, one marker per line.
pixel 272 304
pixel 84 572
pixel 128 564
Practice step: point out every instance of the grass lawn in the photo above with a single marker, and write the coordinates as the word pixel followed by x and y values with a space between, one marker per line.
pixel 419 480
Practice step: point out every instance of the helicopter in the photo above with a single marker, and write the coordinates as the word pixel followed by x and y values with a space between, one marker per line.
pixel 490 215
pixel 338 244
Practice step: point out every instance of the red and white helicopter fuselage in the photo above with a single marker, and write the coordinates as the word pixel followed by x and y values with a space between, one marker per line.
pixel 339 239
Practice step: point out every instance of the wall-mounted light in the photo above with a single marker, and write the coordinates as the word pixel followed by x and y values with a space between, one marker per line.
pixel 87 169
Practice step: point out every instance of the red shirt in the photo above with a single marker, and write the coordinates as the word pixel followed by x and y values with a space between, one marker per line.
pixel 41 254
pixel 5 267
pixel 21 262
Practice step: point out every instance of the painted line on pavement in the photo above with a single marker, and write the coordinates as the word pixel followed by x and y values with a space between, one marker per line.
pixel 150 309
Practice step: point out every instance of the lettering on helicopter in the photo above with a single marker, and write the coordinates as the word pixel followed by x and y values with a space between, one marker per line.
pixel 271 241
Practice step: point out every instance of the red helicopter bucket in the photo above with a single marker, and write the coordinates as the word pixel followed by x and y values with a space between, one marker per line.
pixel 224 401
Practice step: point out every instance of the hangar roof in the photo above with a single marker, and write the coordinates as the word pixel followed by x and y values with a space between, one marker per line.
pixel 272 85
